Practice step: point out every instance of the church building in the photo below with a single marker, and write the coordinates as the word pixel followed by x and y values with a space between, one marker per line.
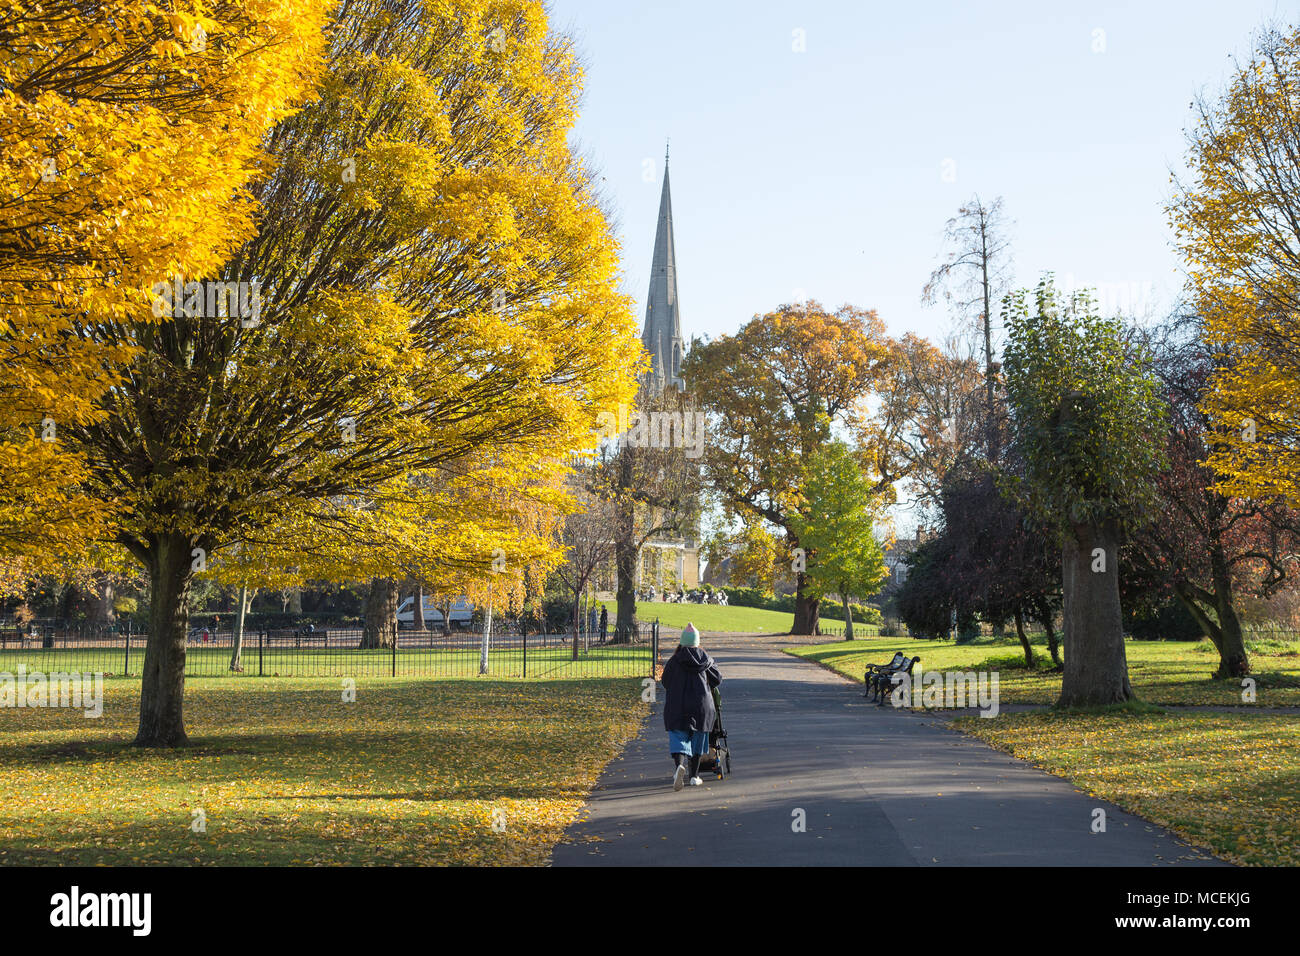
pixel 666 562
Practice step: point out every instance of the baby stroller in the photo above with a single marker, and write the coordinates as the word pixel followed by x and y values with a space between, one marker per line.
pixel 718 759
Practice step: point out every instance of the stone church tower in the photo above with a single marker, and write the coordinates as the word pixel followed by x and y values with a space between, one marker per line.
pixel 662 338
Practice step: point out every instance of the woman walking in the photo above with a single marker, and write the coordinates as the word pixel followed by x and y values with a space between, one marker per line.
pixel 689 678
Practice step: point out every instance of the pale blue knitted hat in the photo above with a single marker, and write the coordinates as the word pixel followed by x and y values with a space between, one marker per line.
pixel 690 636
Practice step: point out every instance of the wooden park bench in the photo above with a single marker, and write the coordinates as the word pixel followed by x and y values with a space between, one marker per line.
pixel 881 679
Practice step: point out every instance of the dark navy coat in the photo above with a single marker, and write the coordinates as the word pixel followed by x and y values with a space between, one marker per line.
pixel 689 678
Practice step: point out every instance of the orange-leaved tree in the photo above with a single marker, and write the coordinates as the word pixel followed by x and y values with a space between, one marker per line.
pixel 776 392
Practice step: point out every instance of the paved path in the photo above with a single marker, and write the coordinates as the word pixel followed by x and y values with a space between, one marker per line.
pixel 877 786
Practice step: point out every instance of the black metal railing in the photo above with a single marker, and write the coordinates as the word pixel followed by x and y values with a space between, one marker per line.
pixel 833 628
pixel 337 652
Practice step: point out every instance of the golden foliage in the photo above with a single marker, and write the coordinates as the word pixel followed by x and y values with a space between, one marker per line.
pixel 130 130
pixel 1237 221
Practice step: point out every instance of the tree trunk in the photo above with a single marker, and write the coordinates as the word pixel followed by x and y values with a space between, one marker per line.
pixel 237 651
pixel 418 620
pixel 1226 635
pixel 1233 661
pixel 1045 616
pixel 487 641
pixel 67 598
pixel 576 611
pixel 807 609
pixel 848 619
pixel 101 610
pixel 162 686
pixel 381 614
pixel 295 601
pixel 625 560
pixel 1096 667
pixel 1024 641
pixel 990 422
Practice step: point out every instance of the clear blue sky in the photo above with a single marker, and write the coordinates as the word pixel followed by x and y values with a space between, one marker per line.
pixel 820 174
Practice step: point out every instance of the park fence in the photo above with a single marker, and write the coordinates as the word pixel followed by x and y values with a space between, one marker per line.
pixel 338 652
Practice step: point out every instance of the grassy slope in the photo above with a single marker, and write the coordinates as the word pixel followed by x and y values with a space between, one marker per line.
pixel 714 617
pixel 710 617
pixel 411 773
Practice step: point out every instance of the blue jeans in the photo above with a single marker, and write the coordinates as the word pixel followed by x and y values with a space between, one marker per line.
pixel 685 742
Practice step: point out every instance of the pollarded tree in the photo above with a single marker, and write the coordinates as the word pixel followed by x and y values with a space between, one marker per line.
pixel 437 283
pixel 1088 422
pixel 837 529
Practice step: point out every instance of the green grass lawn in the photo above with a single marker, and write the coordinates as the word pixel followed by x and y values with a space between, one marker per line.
pixel 1226 781
pixel 719 619
pixel 1162 672
pixel 413 772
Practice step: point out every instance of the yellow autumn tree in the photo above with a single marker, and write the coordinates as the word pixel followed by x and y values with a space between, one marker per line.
pixel 755 555
pixel 471 529
pixel 128 132
pixel 1237 220
pixel 436 284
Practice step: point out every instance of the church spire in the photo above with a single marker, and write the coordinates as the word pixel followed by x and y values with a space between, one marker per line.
pixel 662 336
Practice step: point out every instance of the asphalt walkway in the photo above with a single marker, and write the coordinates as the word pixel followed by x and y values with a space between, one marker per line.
pixel 872 786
